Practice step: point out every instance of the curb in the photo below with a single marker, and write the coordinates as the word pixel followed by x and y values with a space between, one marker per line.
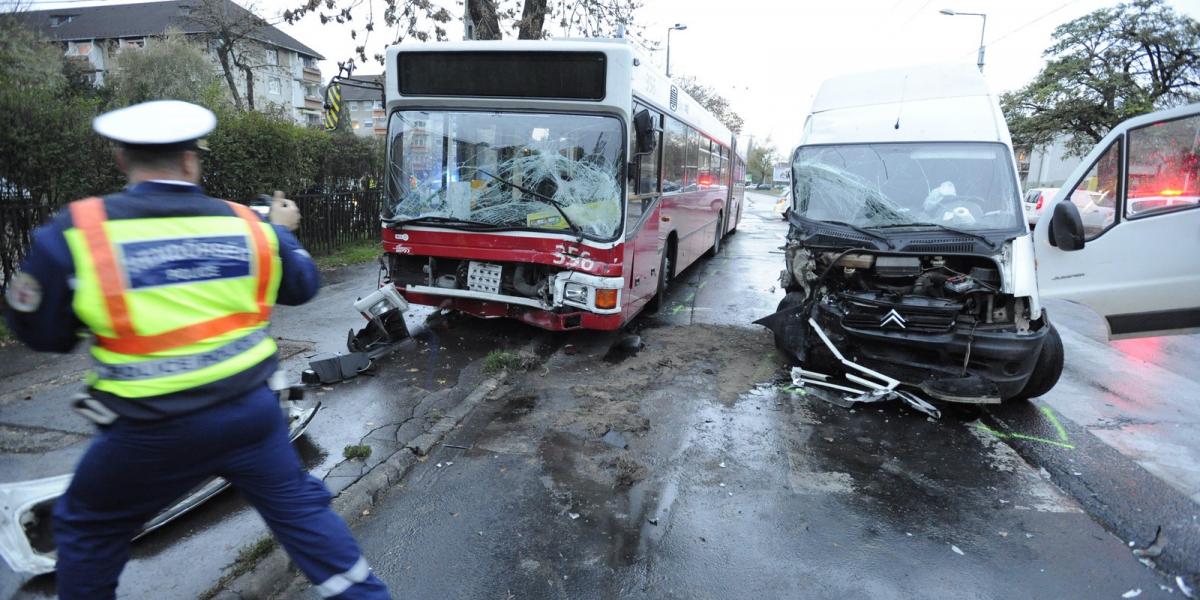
pixel 269 574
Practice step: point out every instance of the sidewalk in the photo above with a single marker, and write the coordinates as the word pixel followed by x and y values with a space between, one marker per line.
pixel 41 437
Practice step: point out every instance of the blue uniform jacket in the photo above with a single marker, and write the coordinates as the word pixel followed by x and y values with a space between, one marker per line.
pixel 54 327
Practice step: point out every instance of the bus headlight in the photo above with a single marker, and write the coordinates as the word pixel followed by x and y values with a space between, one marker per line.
pixel 574 292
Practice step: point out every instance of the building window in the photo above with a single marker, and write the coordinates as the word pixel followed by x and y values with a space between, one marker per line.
pixel 353 107
pixel 79 48
pixel 133 43
pixel 59 20
pixel 310 90
pixel 368 123
pixel 314 119
pixel 273 85
pixel 310 62
pixel 378 105
pixel 272 56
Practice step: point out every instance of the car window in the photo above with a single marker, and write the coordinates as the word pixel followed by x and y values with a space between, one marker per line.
pixel 1096 194
pixel 1164 167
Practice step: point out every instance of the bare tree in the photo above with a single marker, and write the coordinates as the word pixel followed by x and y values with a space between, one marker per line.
pixel 234 33
pixel 424 20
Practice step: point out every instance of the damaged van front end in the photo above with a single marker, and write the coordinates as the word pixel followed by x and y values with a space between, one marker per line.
pixel 945 316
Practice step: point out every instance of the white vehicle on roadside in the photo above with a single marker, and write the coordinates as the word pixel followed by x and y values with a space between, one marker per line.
pixel 1138 267
pixel 909 249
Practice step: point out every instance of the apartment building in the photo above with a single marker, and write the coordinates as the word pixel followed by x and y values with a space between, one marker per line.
pixel 286 72
pixel 364 107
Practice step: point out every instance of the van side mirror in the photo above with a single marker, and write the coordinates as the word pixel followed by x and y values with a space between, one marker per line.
pixel 644 128
pixel 1066 226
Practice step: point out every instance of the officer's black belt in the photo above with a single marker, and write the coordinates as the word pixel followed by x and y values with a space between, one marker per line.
pixel 162 367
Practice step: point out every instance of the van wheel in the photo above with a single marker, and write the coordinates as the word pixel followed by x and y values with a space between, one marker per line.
pixel 664 278
pixel 791 300
pixel 1047 370
pixel 716 245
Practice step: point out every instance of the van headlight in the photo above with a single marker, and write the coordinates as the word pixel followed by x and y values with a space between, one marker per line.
pixel 574 292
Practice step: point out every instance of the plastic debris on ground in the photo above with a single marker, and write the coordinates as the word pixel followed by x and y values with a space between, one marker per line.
pixel 1134 593
pixel 857 385
pixel 957 550
pixel 1155 548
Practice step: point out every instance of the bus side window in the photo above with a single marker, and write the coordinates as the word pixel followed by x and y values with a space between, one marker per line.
pixel 644 189
pixel 691 160
pixel 673 156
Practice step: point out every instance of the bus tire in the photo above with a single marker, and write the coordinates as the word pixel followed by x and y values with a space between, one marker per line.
pixel 664 275
pixel 720 233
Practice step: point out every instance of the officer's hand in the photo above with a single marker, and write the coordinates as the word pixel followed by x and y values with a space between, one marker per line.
pixel 284 212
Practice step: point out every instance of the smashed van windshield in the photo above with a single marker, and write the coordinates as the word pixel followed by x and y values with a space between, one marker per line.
pixel 480 167
pixel 961 185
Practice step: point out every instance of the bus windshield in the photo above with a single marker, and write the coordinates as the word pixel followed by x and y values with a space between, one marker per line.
pixel 506 170
pixel 953 184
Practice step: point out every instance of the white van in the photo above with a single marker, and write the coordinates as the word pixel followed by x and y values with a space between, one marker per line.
pixel 909 258
pixel 908 250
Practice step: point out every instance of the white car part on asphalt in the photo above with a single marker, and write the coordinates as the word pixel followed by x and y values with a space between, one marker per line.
pixel 876 391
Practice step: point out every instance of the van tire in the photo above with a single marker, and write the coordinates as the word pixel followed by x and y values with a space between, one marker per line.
pixel 791 300
pixel 1048 369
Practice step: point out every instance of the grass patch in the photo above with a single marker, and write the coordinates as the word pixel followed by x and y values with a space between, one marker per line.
pixel 353 254
pixel 5 334
pixel 356 451
pixel 246 560
pixel 500 360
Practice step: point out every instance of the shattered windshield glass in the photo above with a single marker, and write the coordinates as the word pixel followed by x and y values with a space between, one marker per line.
pixel 507 170
pixel 967 186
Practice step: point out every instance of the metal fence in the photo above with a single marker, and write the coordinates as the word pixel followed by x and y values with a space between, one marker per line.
pixel 329 221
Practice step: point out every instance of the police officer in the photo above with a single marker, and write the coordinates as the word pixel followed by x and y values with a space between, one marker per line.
pixel 177 289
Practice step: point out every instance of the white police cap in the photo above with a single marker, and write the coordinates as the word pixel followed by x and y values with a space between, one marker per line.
pixel 157 123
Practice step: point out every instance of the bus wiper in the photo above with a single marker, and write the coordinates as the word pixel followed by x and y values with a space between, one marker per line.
pixel 969 234
pixel 865 232
pixel 442 221
pixel 548 200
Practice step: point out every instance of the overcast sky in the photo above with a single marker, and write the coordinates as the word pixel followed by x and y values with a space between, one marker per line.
pixel 769 56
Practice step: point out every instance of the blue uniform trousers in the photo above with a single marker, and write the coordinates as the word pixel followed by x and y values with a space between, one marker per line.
pixel 135 469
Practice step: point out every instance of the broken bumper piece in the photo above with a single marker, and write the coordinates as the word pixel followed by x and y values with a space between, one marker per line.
pixel 861 385
pixel 26 537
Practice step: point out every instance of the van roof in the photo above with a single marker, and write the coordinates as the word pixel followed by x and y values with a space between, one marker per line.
pixel 889 86
pixel 949 102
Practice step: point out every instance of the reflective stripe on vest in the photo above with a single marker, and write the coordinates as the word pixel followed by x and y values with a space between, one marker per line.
pixel 174 302
pixel 89 217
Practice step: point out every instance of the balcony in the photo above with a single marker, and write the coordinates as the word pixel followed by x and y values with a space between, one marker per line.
pixel 312 74
pixel 314 103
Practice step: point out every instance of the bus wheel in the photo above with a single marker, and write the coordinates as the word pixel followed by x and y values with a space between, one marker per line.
pixel 716 247
pixel 664 278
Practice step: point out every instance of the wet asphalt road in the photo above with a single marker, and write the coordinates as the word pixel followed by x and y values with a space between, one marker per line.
pixel 770 494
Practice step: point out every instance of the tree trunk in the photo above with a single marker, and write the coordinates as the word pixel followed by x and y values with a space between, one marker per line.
pixel 532 19
pixel 483 15
pixel 227 70
pixel 249 87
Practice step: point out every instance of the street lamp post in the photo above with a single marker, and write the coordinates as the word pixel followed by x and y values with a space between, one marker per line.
pixel 675 27
pixel 954 13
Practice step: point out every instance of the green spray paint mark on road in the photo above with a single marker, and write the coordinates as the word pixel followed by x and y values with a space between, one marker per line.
pixel 1062 432
pixel 1020 436
pixel 678 308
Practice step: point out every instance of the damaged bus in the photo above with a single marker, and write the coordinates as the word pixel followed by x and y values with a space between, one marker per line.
pixel 559 183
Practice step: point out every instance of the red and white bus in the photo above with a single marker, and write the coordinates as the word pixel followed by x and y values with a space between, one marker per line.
pixel 559 183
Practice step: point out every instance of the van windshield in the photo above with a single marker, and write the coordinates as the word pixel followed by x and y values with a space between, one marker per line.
pixel 961 185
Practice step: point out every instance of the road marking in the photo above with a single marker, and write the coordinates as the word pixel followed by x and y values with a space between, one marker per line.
pixel 1062 432
pixel 1020 436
